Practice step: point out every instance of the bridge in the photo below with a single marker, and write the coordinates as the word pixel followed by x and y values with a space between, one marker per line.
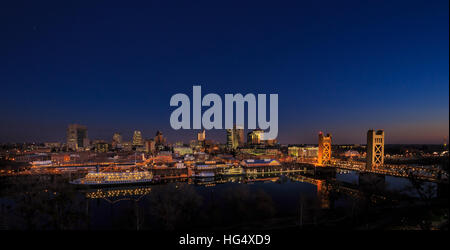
pixel 432 174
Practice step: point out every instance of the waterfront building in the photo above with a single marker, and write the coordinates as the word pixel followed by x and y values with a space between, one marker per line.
pixel 163 157
pixel 324 154
pixel 59 158
pixel 260 151
pixel 293 151
pixel 260 163
pixel 77 137
pixel 308 152
pixel 375 149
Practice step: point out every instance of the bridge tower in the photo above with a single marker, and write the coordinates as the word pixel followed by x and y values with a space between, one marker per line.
pixel 324 155
pixel 375 149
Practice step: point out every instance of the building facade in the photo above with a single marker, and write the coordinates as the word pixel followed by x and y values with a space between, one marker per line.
pixel 116 140
pixel 254 137
pixel 159 139
pixel 77 137
pixel 201 136
pixel 137 139
pixel 239 134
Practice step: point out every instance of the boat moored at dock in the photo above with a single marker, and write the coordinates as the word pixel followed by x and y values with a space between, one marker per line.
pixel 115 178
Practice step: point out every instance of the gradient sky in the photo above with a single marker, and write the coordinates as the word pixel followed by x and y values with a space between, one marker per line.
pixel 338 66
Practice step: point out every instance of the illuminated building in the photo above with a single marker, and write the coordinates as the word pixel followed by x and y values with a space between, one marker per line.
pixel 254 137
pixel 127 146
pixel 52 144
pixel 231 139
pixel 159 139
pixel 150 146
pixel 260 163
pixel 351 153
pixel 239 134
pixel 116 140
pixel 163 157
pixel 101 147
pixel 235 137
pixel 260 151
pixel 303 152
pixel 309 152
pixel 181 150
pixel 324 154
pixel 201 136
pixel 270 142
pixel 60 158
pixel 137 138
pixel 293 151
pixel 375 148
pixel 77 137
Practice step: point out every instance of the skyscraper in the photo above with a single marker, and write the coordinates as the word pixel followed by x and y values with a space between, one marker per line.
pixel 375 149
pixel 77 137
pixel 150 146
pixel 159 139
pixel 235 137
pixel 116 140
pixel 201 136
pixel 254 137
pixel 324 154
pixel 239 133
pixel 137 139
pixel 230 139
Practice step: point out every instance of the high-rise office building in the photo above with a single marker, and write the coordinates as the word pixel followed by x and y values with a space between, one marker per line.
pixel 201 136
pixel 101 147
pixel 375 149
pixel 159 139
pixel 77 137
pixel 324 154
pixel 235 137
pixel 254 137
pixel 239 133
pixel 137 138
pixel 150 146
pixel 116 140
pixel 231 144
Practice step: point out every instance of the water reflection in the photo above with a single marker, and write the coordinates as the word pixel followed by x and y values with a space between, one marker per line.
pixel 257 201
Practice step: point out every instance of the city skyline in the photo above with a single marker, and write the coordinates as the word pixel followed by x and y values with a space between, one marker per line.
pixel 222 138
pixel 342 68
pixel 225 123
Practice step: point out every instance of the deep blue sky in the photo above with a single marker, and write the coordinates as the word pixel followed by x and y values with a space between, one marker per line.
pixel 338 66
